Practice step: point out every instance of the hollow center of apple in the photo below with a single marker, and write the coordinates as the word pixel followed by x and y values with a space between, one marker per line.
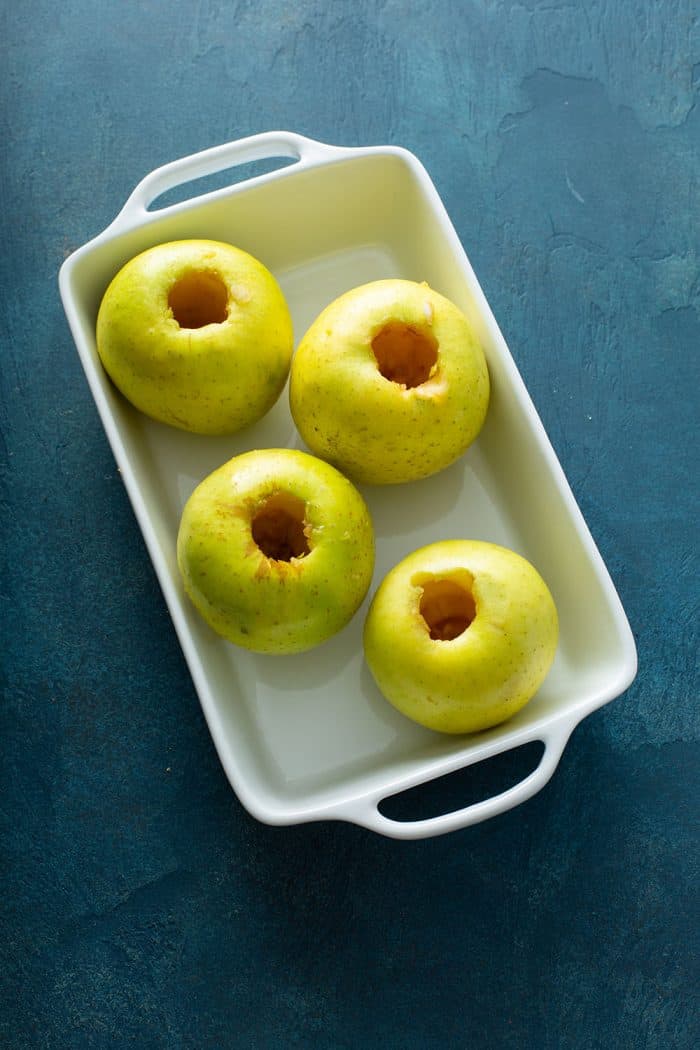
pixel 278 527
pixel 405 353
pixel 199 298
pixel 448 608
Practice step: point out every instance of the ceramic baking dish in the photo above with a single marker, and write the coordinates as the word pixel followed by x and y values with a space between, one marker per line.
pixel 308 737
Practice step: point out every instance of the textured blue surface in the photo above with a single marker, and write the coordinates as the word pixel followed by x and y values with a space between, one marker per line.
pixel 141 906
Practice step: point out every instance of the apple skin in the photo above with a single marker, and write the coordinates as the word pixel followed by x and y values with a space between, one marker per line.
pixel 213 379
pixel 374 429
pixel 258 602
pixel 488 672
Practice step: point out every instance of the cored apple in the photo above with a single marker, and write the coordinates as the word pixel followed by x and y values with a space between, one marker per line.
pixel 276 550
pixel 461 634
pixel 196 334
pixel 390 383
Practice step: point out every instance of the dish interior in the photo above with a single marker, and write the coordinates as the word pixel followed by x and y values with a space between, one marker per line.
pixel 309 730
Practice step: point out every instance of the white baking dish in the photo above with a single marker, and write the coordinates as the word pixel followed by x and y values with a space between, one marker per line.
pixel 309 737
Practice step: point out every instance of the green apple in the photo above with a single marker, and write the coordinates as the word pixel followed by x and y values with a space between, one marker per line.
pixel 276 550
pixel 460 635
pixel 390 383
pixel 196 334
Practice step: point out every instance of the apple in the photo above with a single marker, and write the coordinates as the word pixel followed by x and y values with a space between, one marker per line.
pixel 460 635
pixel 390 383
pixel 197 334
pixel 276 550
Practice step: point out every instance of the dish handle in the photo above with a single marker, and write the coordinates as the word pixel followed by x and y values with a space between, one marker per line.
pixel 265 146
pixel 365 811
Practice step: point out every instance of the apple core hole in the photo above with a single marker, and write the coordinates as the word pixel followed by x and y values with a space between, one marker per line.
pixel 199 298
pixel 406 354
pixel 448 608
pixel 278 527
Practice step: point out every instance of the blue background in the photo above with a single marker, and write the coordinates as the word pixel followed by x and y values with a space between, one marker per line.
pixel 141 905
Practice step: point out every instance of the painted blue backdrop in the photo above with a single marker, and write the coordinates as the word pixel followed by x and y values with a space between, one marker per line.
pixel 141 906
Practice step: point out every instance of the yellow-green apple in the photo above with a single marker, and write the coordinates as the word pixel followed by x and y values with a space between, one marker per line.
pixel 389 383
pixel 460 635
pixel 196 334
pixel 276 550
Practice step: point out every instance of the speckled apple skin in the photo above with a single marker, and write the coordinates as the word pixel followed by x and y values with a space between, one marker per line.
pixel 377 431
pixel 211 380
pixel 490 671
pixel 266 605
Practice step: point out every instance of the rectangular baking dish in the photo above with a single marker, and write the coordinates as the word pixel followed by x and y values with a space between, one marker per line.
pixel 309 737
